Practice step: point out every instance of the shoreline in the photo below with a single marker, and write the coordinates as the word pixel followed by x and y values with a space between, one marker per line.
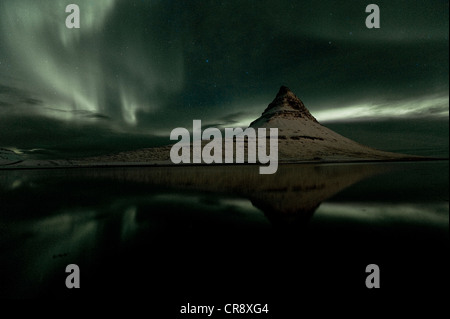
pixel 7 167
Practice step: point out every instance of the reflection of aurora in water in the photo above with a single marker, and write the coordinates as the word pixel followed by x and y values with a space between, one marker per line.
pixel 103 214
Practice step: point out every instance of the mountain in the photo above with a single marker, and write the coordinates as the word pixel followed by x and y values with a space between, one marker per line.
pixel 302 137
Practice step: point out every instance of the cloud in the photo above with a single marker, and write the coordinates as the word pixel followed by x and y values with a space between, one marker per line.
pixel 31 101
pixel 5 104
pixel 431 106
pixel 11 96
pixel 81 113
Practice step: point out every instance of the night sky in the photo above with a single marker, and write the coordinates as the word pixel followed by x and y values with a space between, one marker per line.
pixel 135 70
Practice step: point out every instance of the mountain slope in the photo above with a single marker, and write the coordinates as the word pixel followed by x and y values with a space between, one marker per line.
pixel 302 137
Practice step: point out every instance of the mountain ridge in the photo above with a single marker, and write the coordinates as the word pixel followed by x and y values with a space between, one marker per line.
pixel 286 102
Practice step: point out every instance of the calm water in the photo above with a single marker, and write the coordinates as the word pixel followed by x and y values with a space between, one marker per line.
pixel 225 234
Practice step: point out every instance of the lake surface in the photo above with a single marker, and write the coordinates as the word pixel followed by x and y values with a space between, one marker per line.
pixel 224 234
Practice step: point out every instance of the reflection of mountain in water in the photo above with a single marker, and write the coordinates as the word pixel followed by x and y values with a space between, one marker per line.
pixel 289 196
pixel 154 227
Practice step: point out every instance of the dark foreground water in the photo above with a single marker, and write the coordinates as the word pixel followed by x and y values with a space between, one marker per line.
pixel 217 235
